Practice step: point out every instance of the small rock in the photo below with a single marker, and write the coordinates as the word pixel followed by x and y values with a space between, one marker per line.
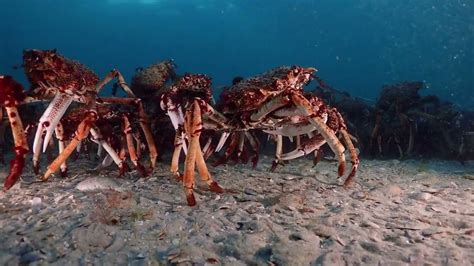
pixel 369 224
pixel 390 191
pixel 175 242
pixel 35 201
pixel 98 183
pixel 421 196
pixel 329 258
pixel 323 231
pixel 371 247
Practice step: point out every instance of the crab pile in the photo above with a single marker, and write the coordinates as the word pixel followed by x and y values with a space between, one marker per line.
pixel 272 103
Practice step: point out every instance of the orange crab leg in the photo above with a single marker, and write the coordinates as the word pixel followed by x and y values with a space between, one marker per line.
pixel 305 107
pixel 178 146
pixel 127 130
pixel 82 132
pixel 193 127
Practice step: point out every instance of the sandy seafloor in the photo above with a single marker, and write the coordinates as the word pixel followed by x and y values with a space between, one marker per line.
pixel 398 213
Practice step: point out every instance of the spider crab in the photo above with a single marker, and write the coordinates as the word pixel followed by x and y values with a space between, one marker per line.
pixel 54 76
pixel 191 93
pixel 273 102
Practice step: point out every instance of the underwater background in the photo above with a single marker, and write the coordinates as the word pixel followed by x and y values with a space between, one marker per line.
pixel 357 45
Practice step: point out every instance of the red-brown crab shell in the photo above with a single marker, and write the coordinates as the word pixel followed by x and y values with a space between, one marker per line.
pixel 49 69
pixel 251 93
pixel 11 92
pixel 187 88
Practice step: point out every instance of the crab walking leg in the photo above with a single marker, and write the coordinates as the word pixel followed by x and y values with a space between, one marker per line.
pixel 99 139
pixel 354 157
pixel 82 132
pixel 121 81
pixel 254 143
pixel 127 130
pixel 222 140
pixel 240 146
pixel 230 149
pixel 21 147
pixel 106 162
pixel 59 131
pixel 193 127
pixel 305 107
pixel 278 152
pixel 138 142
pixel 178 145
pixel 204 173
pixel 100 150
pixel 144 123
pixel 208 149
pixel 305 148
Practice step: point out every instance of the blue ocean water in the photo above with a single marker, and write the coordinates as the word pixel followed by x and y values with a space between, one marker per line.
pixel 357 45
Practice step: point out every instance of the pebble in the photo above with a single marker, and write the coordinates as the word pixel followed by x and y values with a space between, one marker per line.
pixel 35 201
pixel 175 242
pixel 98 183
pixel 421 196
pixel 390 191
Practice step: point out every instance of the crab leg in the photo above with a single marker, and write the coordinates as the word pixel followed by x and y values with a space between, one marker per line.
pixel 230 149
pixel 193 127
pixel 11 94
pixel 99 139
pixel 279 149
pixel 48 122
pixel 354 157
pixel 106 162
pixel 305 148
pixel 59 131
pixel 178 145
pixel 305 107
pixel 100 150
pixel 254 143
pixel 222 140
pixel 21 147
pixel 50 119
pixel 204 173
pixel 127 129
pixel 121 81
pixel 143 120
pixel 240 146
pixel 208 149
pixel 82 132
pixel 177 121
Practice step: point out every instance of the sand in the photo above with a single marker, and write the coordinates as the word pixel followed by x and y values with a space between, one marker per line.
pixel 398 213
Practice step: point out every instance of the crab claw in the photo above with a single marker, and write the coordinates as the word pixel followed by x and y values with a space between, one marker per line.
pixel 50 119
